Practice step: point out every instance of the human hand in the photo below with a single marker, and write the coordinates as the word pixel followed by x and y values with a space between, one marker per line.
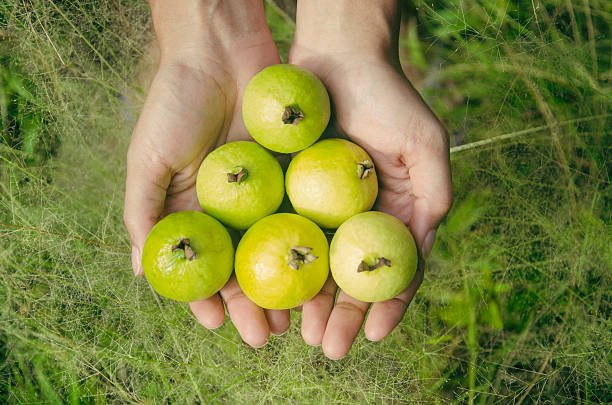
pixel 375 106
pixel 193 106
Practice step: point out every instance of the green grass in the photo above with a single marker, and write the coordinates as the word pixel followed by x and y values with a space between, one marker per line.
pixel 517 297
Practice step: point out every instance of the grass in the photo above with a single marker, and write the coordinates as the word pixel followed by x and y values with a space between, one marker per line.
pixel 516 302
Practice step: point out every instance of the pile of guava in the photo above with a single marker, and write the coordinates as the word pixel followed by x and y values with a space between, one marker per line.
pixel 283 258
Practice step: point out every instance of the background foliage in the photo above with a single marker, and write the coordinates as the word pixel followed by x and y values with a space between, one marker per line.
pixel 516 301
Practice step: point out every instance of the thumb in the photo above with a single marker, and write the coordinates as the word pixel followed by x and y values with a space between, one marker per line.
pixel 424 223
pixel 146 184
pixel 431 184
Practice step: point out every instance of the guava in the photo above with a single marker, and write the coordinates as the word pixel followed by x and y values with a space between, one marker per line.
pixel 373 256
pixel 282 261
pixel 240 183
pixel 285 108
pixel 188 256
pixel 331 181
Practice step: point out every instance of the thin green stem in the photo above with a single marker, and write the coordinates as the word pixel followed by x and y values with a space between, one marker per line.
pixel 512 135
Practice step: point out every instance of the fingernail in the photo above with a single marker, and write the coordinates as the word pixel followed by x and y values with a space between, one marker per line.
pixel 279 332
pixel 136 261
pixel 374 336
pixel 428 243
pixel 259 346
pixel 214 327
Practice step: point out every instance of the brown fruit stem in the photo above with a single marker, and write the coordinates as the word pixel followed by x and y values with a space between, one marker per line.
pixel 237 175
pixel 185 245
pixel 292 115
pixel 299 255
pixel 381 261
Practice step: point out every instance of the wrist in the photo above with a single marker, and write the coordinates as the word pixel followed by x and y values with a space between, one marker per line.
pixel 345 28
pixel 191 30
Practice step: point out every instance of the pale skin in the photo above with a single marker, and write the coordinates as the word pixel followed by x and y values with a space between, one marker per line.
pixel 209 51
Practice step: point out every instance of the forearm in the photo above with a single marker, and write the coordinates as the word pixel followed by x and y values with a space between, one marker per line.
pixel 347 26
pixel 187 28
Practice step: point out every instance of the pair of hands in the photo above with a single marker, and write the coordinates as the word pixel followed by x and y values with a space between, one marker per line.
pixel 194 105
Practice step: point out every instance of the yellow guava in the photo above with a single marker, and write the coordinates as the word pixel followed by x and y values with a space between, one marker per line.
pixel 282 261
pixel 373 256
pixel 331 181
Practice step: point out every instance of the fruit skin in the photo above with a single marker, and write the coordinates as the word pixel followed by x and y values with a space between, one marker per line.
pixel 240 204
pixel 262 261
pixel 323 182
pixel 268 94
pixel 171 274
pixel 369 236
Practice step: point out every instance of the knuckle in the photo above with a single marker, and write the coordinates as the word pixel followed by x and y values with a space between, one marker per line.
pixel 347 306
pixel 318 306
pixel 327 294
pixel 130 222
pixel 231 295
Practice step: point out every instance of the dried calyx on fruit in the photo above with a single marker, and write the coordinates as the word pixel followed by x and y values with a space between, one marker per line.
pixel 185 245
pixel 380 262
pixel 292 115
pixel 237 175
pixel 299 255
pixel 364 169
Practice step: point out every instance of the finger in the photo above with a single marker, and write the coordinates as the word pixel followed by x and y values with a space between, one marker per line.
pixel 429 168
pixel 343 326
pixel 209 312
pixel 249 319
pixel 145 192
pixel 315 313
pixel 278 321
pixel 386 315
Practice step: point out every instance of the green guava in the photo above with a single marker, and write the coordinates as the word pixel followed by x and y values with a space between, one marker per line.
pixel 188 256
pixel 331 181
pixel 282 261
pixel 373 257
pixel 240 183
pixel 285 108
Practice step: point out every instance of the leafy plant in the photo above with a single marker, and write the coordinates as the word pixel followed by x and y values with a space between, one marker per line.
pixel 515 306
